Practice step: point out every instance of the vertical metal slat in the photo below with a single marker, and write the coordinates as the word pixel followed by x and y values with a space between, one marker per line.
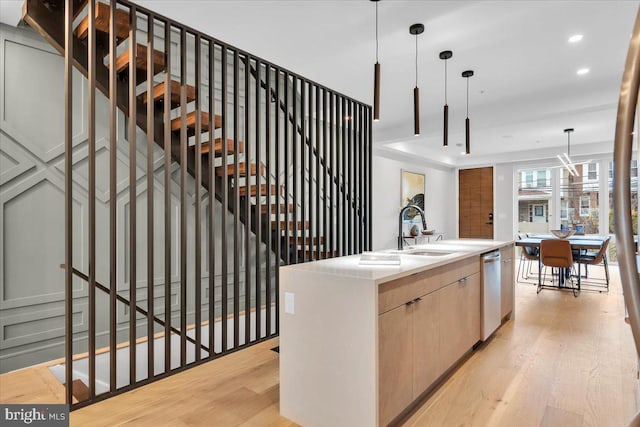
pixel 278 234
pixel 225 199
pixel 167 198
pixel 303 171
pixel 332 176
pixel 183 197
pixel 247 206
pixel 132 194
pixel 91 147
pixel 212 199
pixel 258 214
pixel 236 204
pixel 288 126
pixel 294 169
pixel 267 127
pixel 68 200
pixel 197 193
pixel 150 193
pixel 312 148
pixel 113 147
pixel 318 172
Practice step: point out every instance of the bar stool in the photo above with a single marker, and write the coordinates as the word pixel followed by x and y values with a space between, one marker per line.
pixel 556 253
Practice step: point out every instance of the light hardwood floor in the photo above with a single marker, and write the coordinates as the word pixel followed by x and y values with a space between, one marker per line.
pixel 564 361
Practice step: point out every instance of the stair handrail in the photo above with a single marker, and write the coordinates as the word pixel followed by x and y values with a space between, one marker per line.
pixel 622 153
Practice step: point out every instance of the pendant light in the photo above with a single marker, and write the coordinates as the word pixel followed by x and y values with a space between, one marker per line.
pixel 466 74
pixel 376 75
pixel 416 29
pixel 444 55
pixel 568 164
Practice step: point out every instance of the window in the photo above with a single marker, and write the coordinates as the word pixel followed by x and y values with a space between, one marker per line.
pixel 634 169
pixel 541 178
pixel 592 171
pixel 528 178
pixel 585 205
pixel 564 210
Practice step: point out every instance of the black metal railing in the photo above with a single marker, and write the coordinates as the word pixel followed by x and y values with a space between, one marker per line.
pixel 267 168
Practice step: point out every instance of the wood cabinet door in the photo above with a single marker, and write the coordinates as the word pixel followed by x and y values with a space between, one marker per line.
pixel 475 203
pixel 426 342
pixel 453 321
pixel 507 280
pixel 395 362
pixel 472 309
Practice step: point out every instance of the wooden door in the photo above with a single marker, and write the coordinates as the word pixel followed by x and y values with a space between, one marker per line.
pixel 475 203
pixel 395 362
pixel 426 346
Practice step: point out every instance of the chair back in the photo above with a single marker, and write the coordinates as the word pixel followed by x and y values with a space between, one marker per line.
pixel 602 252
pixel 556 253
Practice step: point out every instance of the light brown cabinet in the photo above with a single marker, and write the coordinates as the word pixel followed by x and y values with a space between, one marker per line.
pixel 507 281
pixel 395 361
pixel 459 319
pixel 431 320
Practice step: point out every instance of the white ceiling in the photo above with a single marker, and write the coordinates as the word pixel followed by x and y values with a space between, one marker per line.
pixel 525 90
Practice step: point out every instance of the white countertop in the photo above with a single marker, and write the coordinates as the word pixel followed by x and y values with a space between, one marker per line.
pixel 348 266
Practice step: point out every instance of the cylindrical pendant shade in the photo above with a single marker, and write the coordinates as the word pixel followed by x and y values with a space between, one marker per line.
pixel 445 135
pixel 376 92
pixel 416 111
pixel 467 137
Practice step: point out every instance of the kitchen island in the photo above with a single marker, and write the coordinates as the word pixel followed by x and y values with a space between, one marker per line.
pixel 360 344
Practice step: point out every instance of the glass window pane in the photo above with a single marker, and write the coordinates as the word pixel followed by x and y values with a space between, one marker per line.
pixel 534 200
pixel 580 195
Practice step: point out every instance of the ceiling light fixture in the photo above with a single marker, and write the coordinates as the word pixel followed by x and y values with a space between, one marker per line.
pixel 466 75
pixel 568 164
pixel 444 55
pixel 582 71
pixel 416 29
pixel 575 38
pixel 376 75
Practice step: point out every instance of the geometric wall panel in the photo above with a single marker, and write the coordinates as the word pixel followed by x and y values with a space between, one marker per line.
pixel 13 161
pixel 32 216
pixel 24 329
pixel 38 125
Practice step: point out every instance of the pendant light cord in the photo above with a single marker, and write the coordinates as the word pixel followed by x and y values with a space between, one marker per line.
pixel 376 32
pixel 445 82
pixel 569 144
pixel 416 60
pixel 467 97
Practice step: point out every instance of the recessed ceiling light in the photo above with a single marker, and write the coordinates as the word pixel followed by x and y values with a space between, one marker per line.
pixel 575 38
pixel 582 71
pixel 463 153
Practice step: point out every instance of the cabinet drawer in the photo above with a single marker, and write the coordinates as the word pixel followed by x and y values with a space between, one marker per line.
pixel 397 292
pixel 457 270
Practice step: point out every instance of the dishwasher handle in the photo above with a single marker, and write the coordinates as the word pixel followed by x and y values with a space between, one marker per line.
pixel 495 258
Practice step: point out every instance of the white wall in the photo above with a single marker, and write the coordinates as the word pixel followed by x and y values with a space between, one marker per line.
pixel 505 202
pixel 440 199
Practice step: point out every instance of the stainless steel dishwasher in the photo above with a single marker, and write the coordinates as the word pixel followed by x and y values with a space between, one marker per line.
pixel 491 289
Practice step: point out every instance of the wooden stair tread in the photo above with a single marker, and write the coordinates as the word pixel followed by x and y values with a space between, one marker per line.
pixel 191 121
pixel 283 224
pixel 242 169
pixel 123 61
pixel 253 190
pixel 217 147
pixel 160 89
pixel 263 208
pixel 306 241
pixel 102 17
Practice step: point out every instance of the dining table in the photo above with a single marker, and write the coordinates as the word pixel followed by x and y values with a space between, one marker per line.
pixel 579 244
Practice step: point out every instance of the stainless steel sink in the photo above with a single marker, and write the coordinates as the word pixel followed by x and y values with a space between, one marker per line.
pixel 428 253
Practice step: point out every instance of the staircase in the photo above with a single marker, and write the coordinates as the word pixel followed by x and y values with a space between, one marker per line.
pixel 288 160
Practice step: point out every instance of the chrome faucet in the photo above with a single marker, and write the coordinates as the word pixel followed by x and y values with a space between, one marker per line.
pixel 402 211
